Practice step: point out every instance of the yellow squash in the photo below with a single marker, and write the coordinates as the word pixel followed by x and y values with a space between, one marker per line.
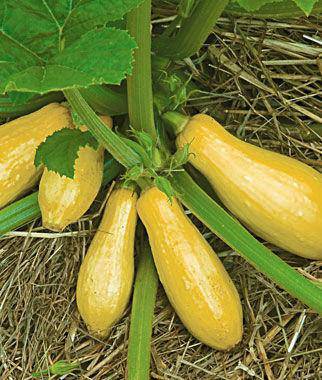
pixel 106 274
pixel 18 142
pixel 64 200
pixel 277 197
pixel 195 280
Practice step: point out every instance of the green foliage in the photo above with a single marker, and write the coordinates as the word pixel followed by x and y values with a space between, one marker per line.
pixel 133 174
pixel 186 7
pixel 180 157
pixel 254 5
pixel 165 186
pixel 60 368
pixel 19 98
pixel 60 150
pixel 48 47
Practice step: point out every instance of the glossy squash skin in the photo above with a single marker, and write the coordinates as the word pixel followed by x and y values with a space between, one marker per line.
pixel 19 140
pixel 106 274
pixel 195 280
pixel 277 197
pixel 64 200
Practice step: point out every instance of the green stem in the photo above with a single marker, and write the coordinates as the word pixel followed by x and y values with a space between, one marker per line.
pixel 27 209
pixel 140 103
pixel 239 239
pixel 145 290
pixel 193 32
pixel 113 143
pixel 139 84
pixel 106 100
pixel 176 120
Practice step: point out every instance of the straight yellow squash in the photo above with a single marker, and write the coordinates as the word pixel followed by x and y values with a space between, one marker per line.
pixel 106 274
pixel 277 197
pixel 19 140
pixel 195 280
pixel 64 200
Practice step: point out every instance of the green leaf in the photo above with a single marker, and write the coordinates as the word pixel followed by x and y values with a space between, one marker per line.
pixel 165 186
pixel 62 367
pixel 253 5
pixel 306 5
pixel 60 150
pixel 44 27
pixel 100 56
pixel 48 46
pixel 133 174
pixel 186 7
pixel 282 10
pixel 19 98
pixel 145 140
pixel 145 158
pixel 180 157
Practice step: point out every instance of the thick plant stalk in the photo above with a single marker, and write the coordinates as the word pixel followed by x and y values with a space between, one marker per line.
pixel 113 143
pixel 193 31
pixel 239 239
pixel 140 98
pixel 140 102
pixel 27 209
pixel 106 100
pixel 145 290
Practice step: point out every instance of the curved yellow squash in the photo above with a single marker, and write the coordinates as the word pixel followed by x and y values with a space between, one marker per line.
pixel 106 274
pixel 195 280
pixel 277 197
pixel 64 200
pixel 18 142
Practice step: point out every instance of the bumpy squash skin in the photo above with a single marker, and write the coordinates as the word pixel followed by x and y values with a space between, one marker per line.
pixel 106 274
pixel 19 140
pixel 195 280
pixel 277 197
pixel 64 200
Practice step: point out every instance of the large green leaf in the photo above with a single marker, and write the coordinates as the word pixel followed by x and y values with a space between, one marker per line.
pixel 50 45
pixel 100 56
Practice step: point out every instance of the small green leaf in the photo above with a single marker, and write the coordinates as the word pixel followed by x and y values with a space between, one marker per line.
pixel 306 5
pixel 60 368
pixel 140 151
pixel 253 5
pixel 181 156
pixel 165 186
pixel 60 150
pixel 133 174
pixel 145 140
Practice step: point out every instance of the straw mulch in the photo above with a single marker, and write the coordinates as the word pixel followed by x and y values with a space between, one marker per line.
pixel 263 81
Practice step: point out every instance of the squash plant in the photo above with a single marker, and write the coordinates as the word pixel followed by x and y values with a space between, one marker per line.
pixel 77 50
